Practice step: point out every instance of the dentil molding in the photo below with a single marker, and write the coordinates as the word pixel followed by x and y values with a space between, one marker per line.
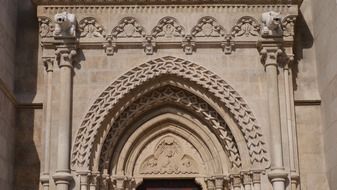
pixel 160 2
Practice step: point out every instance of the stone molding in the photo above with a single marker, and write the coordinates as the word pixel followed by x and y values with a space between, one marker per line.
pixel 161 2
pixel 178 97
pixel 168 32
pixel 235 104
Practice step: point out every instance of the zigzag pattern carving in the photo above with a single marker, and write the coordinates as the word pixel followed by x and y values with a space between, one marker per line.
pixel 235 104
pixel 172 96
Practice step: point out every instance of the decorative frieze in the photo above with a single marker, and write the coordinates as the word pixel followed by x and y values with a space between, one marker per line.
pixel 208 27
pixel 168 27
pixel 246 26
pixel 128 27
pixel 46 28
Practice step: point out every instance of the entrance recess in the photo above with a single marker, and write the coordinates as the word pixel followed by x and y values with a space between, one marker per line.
pixel 165 184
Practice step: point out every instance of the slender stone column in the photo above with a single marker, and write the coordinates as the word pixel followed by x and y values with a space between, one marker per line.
pixel 288 90
pixel 62 177
pixel 48 63
pixel 277 175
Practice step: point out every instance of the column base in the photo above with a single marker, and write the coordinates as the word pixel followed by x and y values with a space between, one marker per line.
pixel 44 180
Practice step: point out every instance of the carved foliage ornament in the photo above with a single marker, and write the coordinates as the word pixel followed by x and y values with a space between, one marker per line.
pixel 288 25
pixel 169 158
pixel 128 27
pixel 103 105
pixel 168 27
pixel 246 26
pixel 46 27
pixel 89 28
pixel 208 27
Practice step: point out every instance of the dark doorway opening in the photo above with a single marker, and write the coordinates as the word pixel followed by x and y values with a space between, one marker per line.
pixel 165 184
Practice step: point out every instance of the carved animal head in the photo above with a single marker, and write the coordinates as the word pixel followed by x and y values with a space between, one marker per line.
pixel 272 20
pixel 61 17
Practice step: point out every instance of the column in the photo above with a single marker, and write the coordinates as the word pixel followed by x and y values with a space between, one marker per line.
pixel 48 63
pixel 278 175
pixel 219 182
pixel 288 90
pixel 62 177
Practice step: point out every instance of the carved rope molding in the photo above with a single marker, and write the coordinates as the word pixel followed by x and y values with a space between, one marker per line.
pixel 179 97
pixel 235 104
pixel 130 2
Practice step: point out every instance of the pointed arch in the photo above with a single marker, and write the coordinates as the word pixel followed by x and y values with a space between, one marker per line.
pixel 234 104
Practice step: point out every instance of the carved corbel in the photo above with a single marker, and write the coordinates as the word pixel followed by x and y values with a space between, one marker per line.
pixel 65 25
pixel 271 24
pixel 109 45
pixel 149 44
pixel 228 44
pixel 188 44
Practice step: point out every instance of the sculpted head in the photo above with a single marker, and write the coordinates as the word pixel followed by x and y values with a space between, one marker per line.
pixel 65 24
pixel 271 23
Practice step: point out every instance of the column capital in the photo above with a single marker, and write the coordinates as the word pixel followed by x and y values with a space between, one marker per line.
pixel 48 62
pixel 66 56
pixel 246 178
pixel 269 54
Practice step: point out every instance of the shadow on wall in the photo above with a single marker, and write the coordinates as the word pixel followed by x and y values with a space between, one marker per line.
pixel 27 133
pixel 303 40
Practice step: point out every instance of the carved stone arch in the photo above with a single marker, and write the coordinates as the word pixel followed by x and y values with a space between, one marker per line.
pixel 246 26
pixel 208 27
pixel 90 28
pixel 88 132
pixel 168 27
pixel 128 27
pixel 182 100
pixel 158 128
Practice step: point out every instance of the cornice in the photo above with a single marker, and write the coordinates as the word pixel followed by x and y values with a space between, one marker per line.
pixel 160 2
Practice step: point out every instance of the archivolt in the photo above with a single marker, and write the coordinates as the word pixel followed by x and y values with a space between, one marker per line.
pixel 234 103
pixel 177 97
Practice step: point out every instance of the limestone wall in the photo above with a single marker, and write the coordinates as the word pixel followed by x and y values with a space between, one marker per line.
pixel 7 108
pixel 325 27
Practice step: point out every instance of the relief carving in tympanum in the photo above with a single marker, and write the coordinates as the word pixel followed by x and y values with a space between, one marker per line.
pixel 169 158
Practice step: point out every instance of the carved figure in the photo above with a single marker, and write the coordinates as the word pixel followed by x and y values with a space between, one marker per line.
pixel 271 24
pixel 65 25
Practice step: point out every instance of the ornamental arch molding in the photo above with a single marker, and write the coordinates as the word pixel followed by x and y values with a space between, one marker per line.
pixel 107 106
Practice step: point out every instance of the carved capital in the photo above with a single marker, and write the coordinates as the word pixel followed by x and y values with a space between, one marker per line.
pixel 65 56
pixel 236 181
pixel 269 55
pixel 246 178
pixel 48 62
pixel 256 177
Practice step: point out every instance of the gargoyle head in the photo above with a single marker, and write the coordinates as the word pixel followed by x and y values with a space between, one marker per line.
pixel 271 23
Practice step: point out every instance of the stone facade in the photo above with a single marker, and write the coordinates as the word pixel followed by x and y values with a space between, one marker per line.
pixel 226 92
